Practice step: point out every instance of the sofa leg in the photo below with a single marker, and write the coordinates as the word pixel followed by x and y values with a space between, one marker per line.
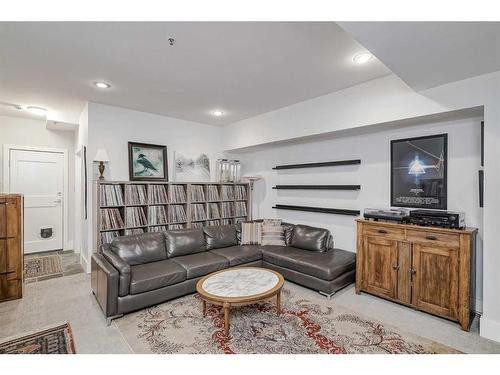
pixel 328 296
pixel 110 319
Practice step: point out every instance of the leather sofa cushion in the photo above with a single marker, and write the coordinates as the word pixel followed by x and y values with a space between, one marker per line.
pixel 220 236
pixel 237 255
pixel 201 264
pixel 310 238
pixel 184 242
pixel 323 265
pixel 151 276
pixel 140 248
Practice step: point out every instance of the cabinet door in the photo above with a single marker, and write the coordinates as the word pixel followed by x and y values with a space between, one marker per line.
pixel 435 280
pixel 380 266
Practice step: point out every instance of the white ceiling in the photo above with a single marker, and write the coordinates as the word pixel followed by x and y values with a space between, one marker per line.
pixel 429 54
pixel 244 69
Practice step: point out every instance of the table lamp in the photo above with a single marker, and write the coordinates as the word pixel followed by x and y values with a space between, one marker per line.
pixel 102 157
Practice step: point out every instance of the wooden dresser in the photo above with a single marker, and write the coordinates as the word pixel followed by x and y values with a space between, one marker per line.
pixel 11 246
pixel 430 269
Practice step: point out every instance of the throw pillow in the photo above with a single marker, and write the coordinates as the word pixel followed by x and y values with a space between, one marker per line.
pixel 251 233
pixel 272 222
pixel 273 234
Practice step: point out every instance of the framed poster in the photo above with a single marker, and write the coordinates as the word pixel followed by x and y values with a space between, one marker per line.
pixel 147 162
pixel 191 167
pixel 419 172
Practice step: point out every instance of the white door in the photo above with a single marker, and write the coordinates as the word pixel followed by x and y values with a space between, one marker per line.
pixel 39 175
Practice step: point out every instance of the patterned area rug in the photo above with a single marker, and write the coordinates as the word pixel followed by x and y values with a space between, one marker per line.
pixel 35 267
pixel 53 340
pixel 304 327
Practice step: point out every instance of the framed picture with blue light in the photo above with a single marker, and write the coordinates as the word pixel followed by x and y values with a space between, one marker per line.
pixel 419 172
pixel 147 162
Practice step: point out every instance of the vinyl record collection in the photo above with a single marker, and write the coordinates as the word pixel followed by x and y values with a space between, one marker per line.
pixel 158 194
pixel 135 217
pixel 157 215
pixel 198 212
pixel 158 228
pixel 111 219
pixel 111 195
pixel 227 192
pixel 176 226
pixel 240 209
pixel 125 208
pixel 177 214
pixel 213 211
pixel 128 232
pixel 107 237
pixel 240 192
pixel 177 194
pixel 212 193
pixel 197 193
pixel 136 194
pixel 227 209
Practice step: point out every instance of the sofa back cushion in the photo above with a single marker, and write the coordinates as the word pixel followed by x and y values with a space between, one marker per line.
pixel 140 248
pixel 219 236
pixel 184 242
pixel 311 238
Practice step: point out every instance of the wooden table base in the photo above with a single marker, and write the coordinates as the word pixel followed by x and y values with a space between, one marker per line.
pixel 226 307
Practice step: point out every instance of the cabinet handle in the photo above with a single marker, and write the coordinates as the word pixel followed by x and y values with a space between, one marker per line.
pixel 432 238
pixel 382 231
pixel 395 267
pixel 413 271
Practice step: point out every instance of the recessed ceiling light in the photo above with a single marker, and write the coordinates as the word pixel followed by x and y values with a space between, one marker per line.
pixel 102 85
pixel 39 111
pixel 217 113
pixel 362 58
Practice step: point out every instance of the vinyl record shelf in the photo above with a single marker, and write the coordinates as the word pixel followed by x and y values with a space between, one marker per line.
pixel 115 202
pixel 320 164
pixel 323 210
pixel 317 187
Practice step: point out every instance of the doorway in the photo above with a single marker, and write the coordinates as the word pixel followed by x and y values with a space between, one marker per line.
pixel 41 175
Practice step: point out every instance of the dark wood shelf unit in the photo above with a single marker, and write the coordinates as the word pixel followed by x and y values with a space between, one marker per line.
pixel 336 211
pixel 320 164
pixel 317 187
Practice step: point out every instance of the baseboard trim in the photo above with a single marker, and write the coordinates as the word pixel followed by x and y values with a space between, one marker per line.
pixel 489 329
pixel 85 264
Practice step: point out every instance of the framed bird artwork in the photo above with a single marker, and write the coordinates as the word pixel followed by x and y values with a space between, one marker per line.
pixel 147 162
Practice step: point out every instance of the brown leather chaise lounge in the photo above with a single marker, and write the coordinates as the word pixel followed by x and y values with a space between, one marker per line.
pixel 134 272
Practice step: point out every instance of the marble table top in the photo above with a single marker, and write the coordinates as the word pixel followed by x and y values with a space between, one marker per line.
pixel 241 282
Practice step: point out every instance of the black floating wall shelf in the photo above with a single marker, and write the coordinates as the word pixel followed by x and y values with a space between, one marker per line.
pixel 321 164
pixel 336 211
pixel 317 187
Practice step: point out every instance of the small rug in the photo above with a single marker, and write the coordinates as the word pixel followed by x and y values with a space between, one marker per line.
pixel 53 340
pixel 304 327
pixel 42 266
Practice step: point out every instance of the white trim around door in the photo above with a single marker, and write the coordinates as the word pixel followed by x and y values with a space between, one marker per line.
pixel 6 181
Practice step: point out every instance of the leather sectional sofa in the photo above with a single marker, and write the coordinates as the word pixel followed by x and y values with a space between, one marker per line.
pixel 134 272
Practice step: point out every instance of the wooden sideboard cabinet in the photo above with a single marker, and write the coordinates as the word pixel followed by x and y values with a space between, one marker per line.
pixel 430 269
pixel 11 247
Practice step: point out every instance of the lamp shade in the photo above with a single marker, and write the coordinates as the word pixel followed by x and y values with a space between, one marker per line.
pixel 101 155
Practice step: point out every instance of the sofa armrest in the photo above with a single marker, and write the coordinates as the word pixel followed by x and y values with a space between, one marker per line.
pixel 122 267
pixel 104 282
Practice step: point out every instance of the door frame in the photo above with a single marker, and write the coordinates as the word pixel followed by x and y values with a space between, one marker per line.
pixel 6 180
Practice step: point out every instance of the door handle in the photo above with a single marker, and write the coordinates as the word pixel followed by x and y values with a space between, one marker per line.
pixel 413 271
pixel 57 201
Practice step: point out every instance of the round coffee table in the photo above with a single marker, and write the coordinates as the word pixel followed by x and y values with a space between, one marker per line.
pixel 238 287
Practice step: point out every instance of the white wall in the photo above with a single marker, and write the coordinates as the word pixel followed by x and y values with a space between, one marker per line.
pixel 112 128
pixel 373 148
pixel 32 132
pixel 389 99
